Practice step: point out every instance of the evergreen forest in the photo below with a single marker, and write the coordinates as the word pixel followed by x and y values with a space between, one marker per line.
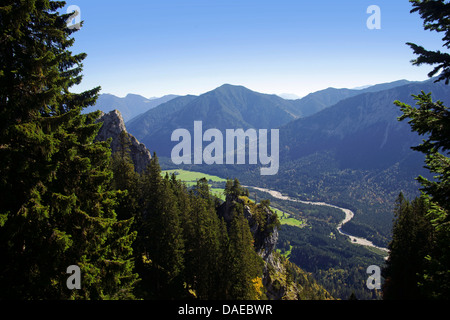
pixel 67 200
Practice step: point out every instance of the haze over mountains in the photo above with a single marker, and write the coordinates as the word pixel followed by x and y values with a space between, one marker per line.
pixel 134 105
pixel 363 130
pixel 361 124
pixel 356 153
pixel 230 107
pixel 344 146
pixel 130 106
pixel 224 108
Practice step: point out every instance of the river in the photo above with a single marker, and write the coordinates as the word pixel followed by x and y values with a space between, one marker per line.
pixel 349 215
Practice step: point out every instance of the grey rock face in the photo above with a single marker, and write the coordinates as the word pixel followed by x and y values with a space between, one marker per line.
pixel 113 126
pixel 265 242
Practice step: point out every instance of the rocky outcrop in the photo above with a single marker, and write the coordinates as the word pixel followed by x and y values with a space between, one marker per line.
pixel 265 238
pixel 113 126
pixel 282 279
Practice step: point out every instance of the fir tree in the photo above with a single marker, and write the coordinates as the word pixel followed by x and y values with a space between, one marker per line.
pixel 55 210
pixel 412 240
pixel 432 120
pixel 126 179
pixel 435 15
pixel 228 187
pixel 204 254
pixel 161 242
pixel 244 265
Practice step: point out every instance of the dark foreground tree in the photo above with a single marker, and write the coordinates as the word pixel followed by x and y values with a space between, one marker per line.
pixel 245 266
pixel 412 240
pixel 55 207
pixel 435 14
pixel 160 242
pixel 431 119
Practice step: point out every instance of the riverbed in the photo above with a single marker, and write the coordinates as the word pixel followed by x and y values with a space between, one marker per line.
pixel 349 215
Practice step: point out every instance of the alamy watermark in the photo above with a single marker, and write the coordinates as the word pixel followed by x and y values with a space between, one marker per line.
pixel 374 21
pixel 74 21
pixel 374 280
pixel 235 147
pixel 74 281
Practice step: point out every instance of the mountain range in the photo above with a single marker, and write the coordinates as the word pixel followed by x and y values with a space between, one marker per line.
pixel 362 130
pixel 357 154
pixel 223 108
pixel 343 146
pixel 130 106
pixel 231 106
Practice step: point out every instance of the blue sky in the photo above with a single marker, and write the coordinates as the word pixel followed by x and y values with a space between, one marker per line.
pixel 153 48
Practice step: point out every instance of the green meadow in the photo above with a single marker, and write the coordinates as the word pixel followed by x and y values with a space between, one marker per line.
pixel 217 185
pixel 191 177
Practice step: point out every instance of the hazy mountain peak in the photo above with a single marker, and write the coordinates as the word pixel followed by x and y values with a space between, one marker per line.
pixel 130 106
pixel 135 96
pixel 231 88
pixel 113 126
pixel 289 96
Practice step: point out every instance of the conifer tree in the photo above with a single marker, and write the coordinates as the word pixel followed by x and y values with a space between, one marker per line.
pixel 55 208
pixel 126 179
pixel 244 265
pixel 225 279
pixel 432 120
pixel 228 187
pixel 160 240
pixel 412 240
pixel 435 16
pixel 203 254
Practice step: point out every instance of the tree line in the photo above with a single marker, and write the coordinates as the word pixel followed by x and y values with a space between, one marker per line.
pixel 66 200
pixel 183 248
pixel 418 266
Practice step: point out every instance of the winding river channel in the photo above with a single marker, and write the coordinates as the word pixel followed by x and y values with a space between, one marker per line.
pixel 349 215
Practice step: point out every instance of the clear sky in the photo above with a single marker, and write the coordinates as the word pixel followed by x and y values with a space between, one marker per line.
pixel 153 48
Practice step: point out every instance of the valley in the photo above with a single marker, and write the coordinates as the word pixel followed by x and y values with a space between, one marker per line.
pixel 217 185
pixel 349 215
pixel 206 158
pixel 191 178
pixel 316 219
pixel 343 159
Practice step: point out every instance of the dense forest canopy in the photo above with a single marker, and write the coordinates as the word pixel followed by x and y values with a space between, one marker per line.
pixel 419 262
pixel 67 200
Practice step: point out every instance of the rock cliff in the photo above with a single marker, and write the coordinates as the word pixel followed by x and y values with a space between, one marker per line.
pixel 282 279
pixel 265 239
pixel 113 126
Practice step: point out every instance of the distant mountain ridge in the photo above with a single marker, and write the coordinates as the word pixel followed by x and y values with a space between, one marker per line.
pixel 363 129
pixel 113 127
pixel 226 107
pixel 134 105
pixel 233 107
pixel 130 106
pixel 353 153
pixel 323 99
